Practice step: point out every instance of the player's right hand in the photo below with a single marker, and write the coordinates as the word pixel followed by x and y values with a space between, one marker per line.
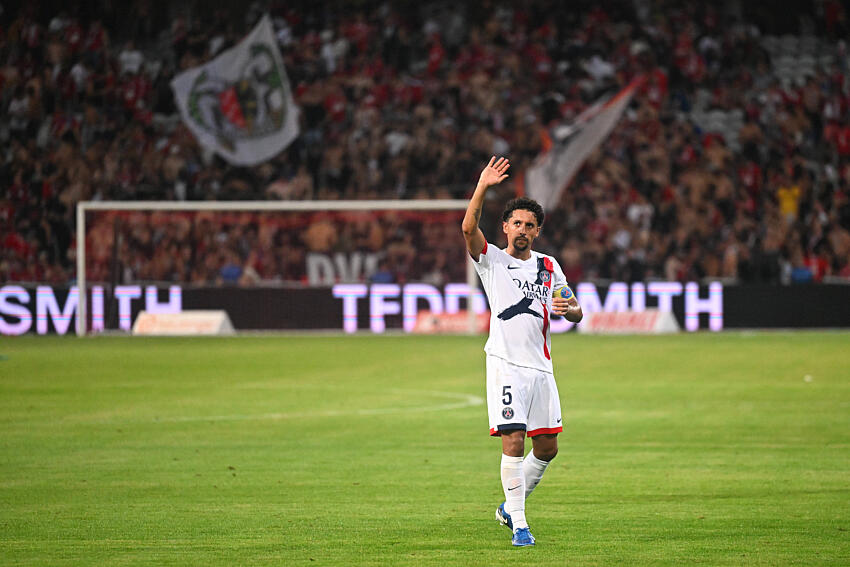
pixel 495 172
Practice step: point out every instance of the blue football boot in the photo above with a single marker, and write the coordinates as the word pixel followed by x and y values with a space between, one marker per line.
pixel 522 538
pixel 503 517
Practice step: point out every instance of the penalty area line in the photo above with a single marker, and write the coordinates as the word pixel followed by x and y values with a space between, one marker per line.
pixel 461 401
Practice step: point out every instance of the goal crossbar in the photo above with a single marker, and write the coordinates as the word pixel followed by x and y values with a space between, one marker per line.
pixel 254 206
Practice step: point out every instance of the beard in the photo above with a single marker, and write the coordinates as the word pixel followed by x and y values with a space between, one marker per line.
pixel 520 243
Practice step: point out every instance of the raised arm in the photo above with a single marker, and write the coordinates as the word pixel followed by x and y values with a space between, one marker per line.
pixel 493 174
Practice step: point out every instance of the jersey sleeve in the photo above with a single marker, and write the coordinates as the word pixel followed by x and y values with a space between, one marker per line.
pixel 488 260
pixel 492 256
pixel 482 256
pixel 558 274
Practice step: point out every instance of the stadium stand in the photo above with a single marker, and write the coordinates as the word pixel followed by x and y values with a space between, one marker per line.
pixel 733 161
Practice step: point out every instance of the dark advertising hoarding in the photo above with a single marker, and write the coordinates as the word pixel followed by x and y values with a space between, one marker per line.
pixel 381 307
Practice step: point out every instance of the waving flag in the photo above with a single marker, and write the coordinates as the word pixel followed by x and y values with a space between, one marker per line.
pixel 240 104
pixel 552 171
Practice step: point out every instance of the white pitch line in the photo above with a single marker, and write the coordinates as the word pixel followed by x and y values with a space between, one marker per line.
pixel 464 401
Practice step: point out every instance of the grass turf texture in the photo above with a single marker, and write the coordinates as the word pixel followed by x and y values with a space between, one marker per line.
pixel 691 449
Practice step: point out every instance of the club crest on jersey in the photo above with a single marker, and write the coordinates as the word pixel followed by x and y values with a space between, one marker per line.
pixel 507 413
pixel 544 271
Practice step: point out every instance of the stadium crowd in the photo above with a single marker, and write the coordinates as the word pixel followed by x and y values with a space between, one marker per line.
pixel 408 102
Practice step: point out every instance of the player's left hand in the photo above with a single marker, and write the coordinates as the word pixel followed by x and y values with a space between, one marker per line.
pixel 560 305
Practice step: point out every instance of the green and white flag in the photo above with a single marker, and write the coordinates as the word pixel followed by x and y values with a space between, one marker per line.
pixel 240 104
pixel 552 171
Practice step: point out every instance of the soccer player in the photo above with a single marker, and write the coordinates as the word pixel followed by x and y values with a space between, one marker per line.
pixel 522 398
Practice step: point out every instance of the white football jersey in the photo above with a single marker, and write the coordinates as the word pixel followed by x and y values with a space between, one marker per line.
pixel 520 296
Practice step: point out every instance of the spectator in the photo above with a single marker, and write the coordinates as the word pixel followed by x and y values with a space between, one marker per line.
pixel 401 104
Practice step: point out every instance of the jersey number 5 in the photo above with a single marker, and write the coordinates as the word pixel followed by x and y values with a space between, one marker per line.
pixel 507 398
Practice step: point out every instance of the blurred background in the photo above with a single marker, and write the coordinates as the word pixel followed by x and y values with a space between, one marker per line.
pixel 730 164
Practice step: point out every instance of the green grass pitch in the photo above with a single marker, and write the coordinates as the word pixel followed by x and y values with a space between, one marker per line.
pixel 713 449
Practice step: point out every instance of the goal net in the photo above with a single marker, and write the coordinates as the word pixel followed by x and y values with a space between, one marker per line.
pixel 296 265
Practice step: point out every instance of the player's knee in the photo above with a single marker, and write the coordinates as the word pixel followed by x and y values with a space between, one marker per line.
pixel 545 454
pixel 514 449
pixel 545 449
pixel 513 443
pixel 549 453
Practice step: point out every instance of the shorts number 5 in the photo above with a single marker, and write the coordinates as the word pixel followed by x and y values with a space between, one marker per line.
pixel 507 398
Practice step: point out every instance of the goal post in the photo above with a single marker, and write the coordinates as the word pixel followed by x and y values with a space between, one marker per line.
pixel 309 207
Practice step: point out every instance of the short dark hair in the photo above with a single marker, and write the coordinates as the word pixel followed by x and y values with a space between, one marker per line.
pixel 525 204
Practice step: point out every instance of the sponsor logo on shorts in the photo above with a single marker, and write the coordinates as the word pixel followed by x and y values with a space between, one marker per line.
pixel 507 413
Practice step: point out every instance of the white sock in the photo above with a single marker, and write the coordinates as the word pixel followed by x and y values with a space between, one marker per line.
pixel 513 484
pixel 532 469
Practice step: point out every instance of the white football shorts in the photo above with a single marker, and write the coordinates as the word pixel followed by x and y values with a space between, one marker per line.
pixel 521 398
